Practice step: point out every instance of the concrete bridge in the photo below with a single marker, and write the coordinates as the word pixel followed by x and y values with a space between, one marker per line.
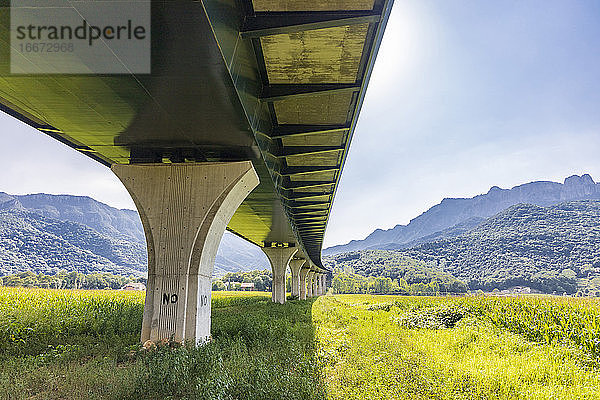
pixel 243 124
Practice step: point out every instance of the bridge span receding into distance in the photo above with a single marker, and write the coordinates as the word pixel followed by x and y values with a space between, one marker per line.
pixel 244 123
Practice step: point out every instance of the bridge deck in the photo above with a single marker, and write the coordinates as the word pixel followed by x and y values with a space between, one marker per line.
pixel 278 82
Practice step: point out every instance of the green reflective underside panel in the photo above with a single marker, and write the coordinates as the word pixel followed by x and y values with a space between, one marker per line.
pixel 204 102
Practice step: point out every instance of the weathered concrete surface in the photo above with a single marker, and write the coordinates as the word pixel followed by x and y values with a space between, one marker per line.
pixel 184 209
pixel 311 5
pixel 327 55
pixel 280 258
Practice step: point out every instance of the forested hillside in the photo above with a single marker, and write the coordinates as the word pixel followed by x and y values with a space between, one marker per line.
pixel 393 265
pixel 47 233
pixel 551 249
pixel 30 241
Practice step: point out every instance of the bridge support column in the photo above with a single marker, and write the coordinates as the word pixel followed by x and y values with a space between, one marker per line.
pixel 303 280
pixel 184 209
pixel 323 284
pixel 310 284
pixel 318 284
pixel 295 266
pixel 280 258
pixel 315 292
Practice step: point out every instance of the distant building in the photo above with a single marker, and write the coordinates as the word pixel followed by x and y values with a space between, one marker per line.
pixel 247 286
pixel 518 290
pixel 134 286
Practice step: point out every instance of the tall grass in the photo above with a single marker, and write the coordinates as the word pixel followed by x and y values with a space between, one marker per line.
pixel 547 319
pixel 34 320
pixel 84 345
pixel 453 348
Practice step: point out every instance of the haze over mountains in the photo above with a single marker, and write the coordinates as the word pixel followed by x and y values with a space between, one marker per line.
pixel 455 216
pixel 45 233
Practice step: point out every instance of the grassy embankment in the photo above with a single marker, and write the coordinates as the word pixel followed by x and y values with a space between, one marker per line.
pixel 83 345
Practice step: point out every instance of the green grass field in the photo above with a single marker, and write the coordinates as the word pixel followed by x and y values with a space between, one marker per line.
pixel 84 345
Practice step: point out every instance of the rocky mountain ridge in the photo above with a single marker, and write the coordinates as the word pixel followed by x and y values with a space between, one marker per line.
pixel 547 248
pixel 451 212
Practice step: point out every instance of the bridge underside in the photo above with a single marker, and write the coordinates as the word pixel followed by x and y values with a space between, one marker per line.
pixel 244 123
pixel 276 82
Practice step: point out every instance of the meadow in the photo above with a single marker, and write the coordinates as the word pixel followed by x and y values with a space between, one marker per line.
pixel 84 345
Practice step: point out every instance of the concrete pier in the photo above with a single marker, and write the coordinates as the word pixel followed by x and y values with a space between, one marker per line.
pixel 314 284
pixel 303 280
pixel 295 266
pixel 310 284
pixel 280 258
pixel 323 284
pixel 184 209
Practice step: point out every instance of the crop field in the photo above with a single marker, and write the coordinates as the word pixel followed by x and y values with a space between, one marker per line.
pixel 84 345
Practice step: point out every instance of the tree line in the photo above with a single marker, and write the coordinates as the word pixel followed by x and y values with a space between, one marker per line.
pixel 263 280
pixel 348 283
pixel 68 280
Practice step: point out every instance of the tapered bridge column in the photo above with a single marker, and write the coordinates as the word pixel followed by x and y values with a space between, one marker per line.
pixel 303 280
pixel 280 258
pixel 295 267
pixel 310 284
pixel 320 284
pixel 184 209
pixel 317 288
pixel 323 284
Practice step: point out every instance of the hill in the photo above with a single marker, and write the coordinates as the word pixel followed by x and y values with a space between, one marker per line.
pixel 452 212
pixel 550 249
pixel 393 265
pixel 46 233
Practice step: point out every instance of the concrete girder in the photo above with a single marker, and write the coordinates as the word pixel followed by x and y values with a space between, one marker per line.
pixel 280 258
pixel 184 209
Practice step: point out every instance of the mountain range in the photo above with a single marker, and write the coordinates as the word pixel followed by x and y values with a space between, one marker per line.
pixel 552 249
pixel 46 233
pixel 455 216
pixel 540 234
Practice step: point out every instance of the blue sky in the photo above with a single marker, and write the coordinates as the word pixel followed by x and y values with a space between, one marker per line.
pixel 465 95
